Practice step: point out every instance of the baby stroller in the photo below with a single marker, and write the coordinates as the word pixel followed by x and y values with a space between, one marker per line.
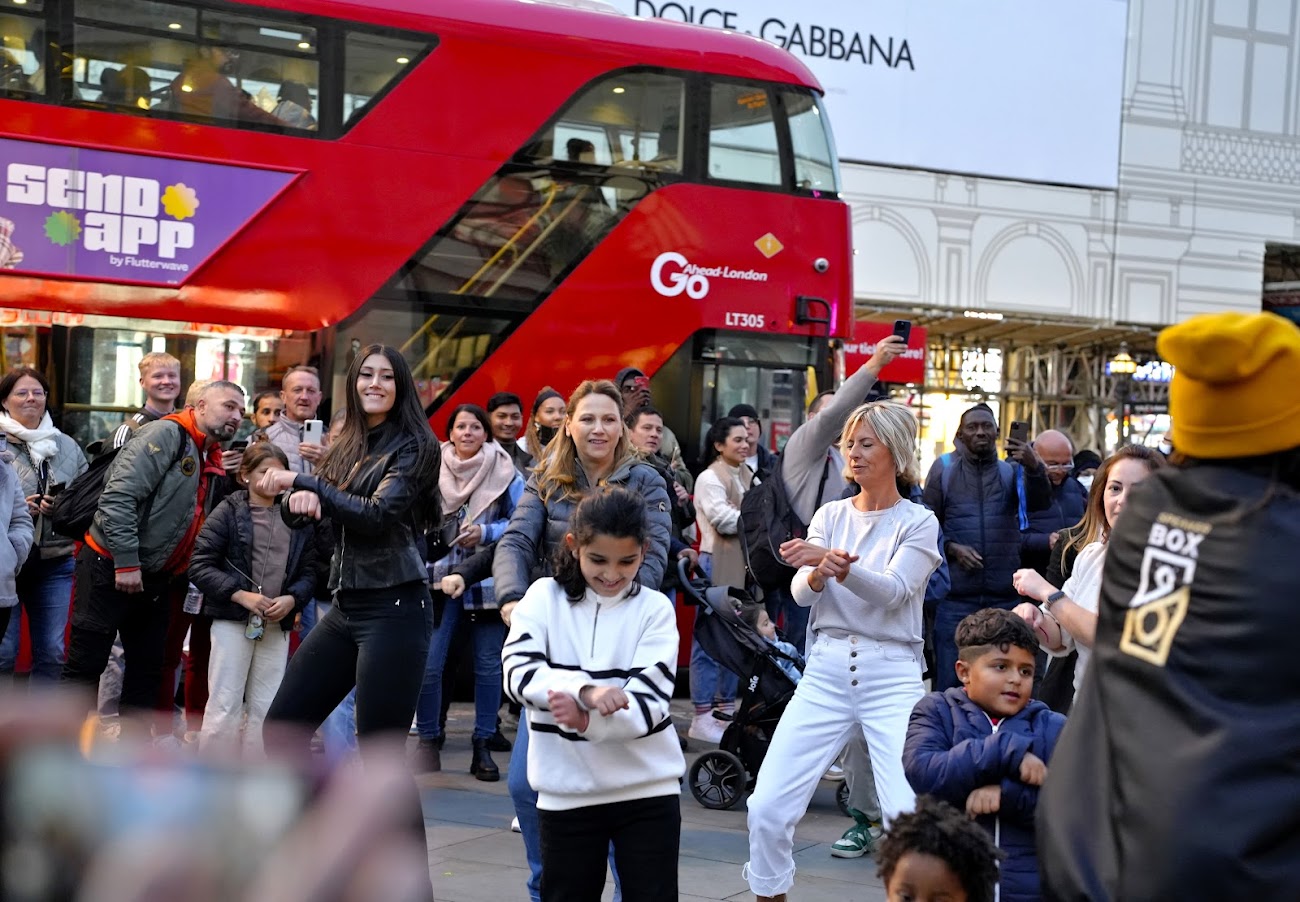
pixel 720 777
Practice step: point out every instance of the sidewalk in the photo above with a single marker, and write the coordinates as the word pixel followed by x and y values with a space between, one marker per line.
pixel 473 856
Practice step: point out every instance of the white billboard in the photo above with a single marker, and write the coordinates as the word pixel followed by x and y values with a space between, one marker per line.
pixel 1022 89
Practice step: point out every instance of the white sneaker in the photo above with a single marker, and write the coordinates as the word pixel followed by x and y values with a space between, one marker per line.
pixel 414 731
pixel 835 774
pixel 706 728
pixel 514 826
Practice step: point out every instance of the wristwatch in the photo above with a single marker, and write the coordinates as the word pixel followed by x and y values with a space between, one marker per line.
pixel 1051 600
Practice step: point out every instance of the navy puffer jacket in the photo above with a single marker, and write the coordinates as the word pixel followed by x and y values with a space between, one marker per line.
pixel 537 528
pixel 978 505
pixel 952 749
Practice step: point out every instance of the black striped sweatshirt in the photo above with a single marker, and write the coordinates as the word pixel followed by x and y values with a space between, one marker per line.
pixel 561 646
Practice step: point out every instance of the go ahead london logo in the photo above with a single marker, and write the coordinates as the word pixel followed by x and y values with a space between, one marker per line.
pixel 121 217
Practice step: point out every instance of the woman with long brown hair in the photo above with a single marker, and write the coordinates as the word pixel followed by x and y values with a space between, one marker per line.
pixel 1066 619
pixel 377 485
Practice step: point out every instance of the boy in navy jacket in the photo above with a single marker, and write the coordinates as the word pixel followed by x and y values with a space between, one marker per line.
pixel 984 746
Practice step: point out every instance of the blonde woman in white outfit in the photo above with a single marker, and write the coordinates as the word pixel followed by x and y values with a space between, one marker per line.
pixel 863 570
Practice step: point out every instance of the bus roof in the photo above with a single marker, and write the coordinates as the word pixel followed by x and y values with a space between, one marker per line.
pixel 589 32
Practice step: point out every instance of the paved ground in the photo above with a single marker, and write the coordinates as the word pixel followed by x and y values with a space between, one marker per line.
pixel 474 857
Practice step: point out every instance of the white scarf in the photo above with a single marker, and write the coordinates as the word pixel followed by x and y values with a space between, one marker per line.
pixel 40 442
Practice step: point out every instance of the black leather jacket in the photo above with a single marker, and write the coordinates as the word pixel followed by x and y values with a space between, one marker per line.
pixel 378 520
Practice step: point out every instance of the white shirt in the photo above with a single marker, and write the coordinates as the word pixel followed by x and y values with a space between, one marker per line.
pixel 1084 589
pixel 714 514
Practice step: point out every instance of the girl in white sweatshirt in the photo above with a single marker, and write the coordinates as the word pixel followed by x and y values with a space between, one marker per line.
pixel 591 656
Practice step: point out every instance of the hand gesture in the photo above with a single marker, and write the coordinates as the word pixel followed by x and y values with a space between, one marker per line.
pixel 274 482
pixel 1029 584
pixel 1032 770
pixel 835 564
pixel 311 453
pixel 964 556
pixel 802 553
pixel 452 586
pixel 279 608
pixel 605 699
pixel 886 350
pixel 567 712
pixel 1023 453
pixel 255 602
pixel 305 504
pixel 985 800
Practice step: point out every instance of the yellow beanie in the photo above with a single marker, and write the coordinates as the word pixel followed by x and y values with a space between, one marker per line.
pixel 1236 387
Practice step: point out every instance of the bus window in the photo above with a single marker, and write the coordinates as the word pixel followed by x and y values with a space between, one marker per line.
pixel 815 167
pixel 22 60
pixel 372 64
pixel 231 69
pixel 742 135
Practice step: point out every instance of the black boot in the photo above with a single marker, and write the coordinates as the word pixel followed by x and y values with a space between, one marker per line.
pixel 497 742
pixel 483 766
pixel 427 758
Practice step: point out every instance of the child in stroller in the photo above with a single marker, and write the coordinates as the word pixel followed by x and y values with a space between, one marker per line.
pixel 719 778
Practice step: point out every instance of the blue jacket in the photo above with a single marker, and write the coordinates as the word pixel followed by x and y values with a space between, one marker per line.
pixel 1069 499
pixel 953 749
pixel 977 502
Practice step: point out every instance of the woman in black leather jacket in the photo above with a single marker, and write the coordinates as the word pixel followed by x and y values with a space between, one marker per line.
pixel 377 484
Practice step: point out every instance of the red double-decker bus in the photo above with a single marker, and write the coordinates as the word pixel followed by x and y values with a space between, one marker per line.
pixel 517 194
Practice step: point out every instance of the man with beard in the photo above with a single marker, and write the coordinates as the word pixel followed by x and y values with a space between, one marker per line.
pixel 982 504
pixel 150 511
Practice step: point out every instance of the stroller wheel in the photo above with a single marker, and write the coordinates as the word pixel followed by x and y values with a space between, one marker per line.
pixel 842 797
pixel 717 779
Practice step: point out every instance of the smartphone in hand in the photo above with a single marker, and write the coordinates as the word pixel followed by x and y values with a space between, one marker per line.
pixel 1019 431
pixel 313 432
pixel 903 329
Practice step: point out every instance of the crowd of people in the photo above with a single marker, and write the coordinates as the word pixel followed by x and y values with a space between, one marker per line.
pixel 550 559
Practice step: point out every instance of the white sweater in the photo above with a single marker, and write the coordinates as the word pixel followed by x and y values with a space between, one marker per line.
pixel 897 548
pixel 1084 589
pixel 716 516
pixel 556 645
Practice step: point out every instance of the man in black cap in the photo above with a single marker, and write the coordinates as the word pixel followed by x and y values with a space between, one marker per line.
pixel 635 387
pixel 762 460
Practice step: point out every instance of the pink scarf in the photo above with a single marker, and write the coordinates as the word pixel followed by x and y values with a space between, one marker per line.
pixel 478 481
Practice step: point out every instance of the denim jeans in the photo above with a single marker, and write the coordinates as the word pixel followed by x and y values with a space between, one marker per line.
pixel 339 731
pixel 710 681
pixel 488 633
pixel 45 593
pixel 525 801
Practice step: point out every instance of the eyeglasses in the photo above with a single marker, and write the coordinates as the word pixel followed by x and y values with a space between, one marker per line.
pixel 1059 468
pixel 29 393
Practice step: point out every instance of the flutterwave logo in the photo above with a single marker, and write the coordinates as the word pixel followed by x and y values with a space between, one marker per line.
pixel 672 274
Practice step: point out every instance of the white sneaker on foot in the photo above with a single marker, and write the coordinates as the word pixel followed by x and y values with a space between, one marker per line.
pixel 706 728
pixel 835 774
pixel 414 731
pixel 514 826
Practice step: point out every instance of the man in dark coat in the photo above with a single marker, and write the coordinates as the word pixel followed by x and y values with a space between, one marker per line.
pixel 982 504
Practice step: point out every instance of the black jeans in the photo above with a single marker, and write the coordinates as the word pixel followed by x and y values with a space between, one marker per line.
pixel 646 834
pixel 101 612
pixel 375 640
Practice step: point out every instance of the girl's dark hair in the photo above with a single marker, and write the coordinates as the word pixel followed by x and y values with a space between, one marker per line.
pixel 256 454
pixel 938 829
pixel 11 379
pixel 612 511
pixel 717 435
pixel 991 628
pixel 476 412
pixel 349 449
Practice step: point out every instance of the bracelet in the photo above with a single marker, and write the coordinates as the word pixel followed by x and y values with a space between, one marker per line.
pixel 1051 600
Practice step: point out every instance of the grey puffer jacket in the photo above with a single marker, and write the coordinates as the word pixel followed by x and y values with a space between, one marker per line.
pixel 17 524
pixel 66 465
pixel 537 528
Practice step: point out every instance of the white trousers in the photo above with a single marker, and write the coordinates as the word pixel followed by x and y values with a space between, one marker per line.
pixel 852 683
pixel 243 674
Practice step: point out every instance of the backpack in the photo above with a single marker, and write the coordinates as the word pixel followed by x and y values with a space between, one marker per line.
pixel 767 521
pixel 74 509
pixel 1017 474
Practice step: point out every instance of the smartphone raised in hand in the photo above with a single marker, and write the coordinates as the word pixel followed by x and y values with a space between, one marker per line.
pixel 903 329
pixel 1019 431
pixel 313 432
